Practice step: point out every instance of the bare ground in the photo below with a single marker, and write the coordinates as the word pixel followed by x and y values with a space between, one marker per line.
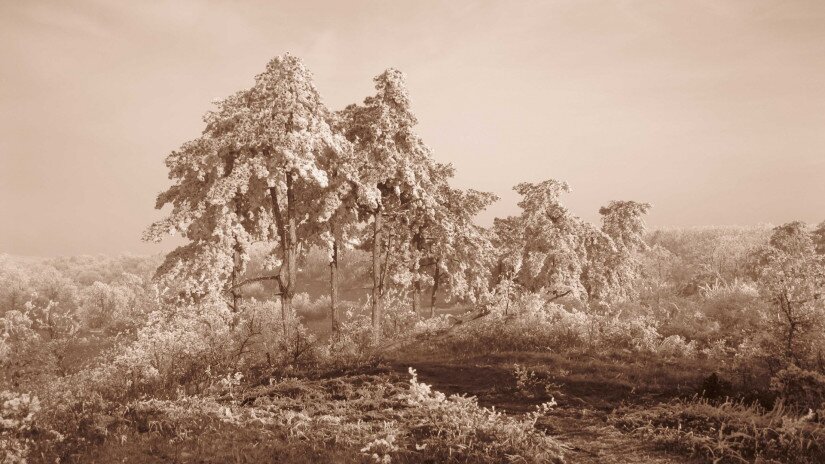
pixel 580 419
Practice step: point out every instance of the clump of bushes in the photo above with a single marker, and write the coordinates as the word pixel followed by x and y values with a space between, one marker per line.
pixel 533 325
pixel 802 388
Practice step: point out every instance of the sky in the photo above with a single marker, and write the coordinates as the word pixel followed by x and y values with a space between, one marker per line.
pixel 712 111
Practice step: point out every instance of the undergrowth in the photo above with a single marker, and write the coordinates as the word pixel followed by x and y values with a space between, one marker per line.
pixel 730 431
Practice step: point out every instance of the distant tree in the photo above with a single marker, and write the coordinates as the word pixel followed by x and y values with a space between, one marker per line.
pixel 100 302
pixel 15 289
pixel 791 276
pixel 614 264
pixel 793 239
pixel 548 249
pixel 818 237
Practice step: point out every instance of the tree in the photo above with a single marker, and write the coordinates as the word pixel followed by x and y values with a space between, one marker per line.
pixel 614 265
pixel 792 239
pixel 791 276
pixel 553 253
pixel 204 212
pixel 394 168
pixel 254 175
pixel 818 237
pixel 460 252
pixel 547 249
pixel 508 239
pixel 623 221
pixel 337 224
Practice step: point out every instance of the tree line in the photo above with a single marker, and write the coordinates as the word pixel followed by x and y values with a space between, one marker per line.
pixel 274 165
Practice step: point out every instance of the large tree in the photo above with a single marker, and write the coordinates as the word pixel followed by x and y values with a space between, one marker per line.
pixel 395 169
pixel 254 175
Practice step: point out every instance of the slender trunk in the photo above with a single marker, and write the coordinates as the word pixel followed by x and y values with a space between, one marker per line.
pixel 237 298
pixel 436 279
pixel 333 284
pixel 507 296
pixel 416 296
pixel 376 277
pixel 416 293
pixel 291 249
pixel 785 306
pixel 288 236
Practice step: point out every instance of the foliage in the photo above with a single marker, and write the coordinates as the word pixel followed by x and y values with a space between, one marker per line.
pixel 547 249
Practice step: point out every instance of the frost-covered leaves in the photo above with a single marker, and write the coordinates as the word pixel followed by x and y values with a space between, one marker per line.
pixel 392 159
pixel 614 255
pixel 427 223
pixel 791 276
pixel 463 250
pixel 624 222
pixel 818 236
pixel 553 252
pixel 549 249
pixel 221 199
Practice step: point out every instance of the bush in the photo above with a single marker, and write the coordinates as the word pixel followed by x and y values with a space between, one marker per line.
pixel 802 388
pixel 17 430
pixel 533 325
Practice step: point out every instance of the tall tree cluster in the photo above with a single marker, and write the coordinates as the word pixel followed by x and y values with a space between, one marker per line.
pixel 275 166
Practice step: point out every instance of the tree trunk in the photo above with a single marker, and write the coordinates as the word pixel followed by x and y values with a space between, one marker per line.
pixel 287 232
pixel 436 279
pixel 416 296
pixel 507 296
pixel 787 308
pixel 416 293
pixel 237 298
pixel 333 284
pixel 291 249
pixel 377 315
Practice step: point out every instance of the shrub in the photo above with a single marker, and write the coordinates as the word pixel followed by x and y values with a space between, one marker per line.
pixel 800 387
pixel 533 325
pixel 17 430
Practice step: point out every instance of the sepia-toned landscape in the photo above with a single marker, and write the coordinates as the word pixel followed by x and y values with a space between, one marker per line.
pixel 318 284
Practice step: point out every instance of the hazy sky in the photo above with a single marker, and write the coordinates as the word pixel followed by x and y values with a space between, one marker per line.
pixel 714 111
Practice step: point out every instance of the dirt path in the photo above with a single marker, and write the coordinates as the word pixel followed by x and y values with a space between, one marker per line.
pixel 579 420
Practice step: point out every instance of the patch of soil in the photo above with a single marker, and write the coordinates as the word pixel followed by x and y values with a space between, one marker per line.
pixel 579 420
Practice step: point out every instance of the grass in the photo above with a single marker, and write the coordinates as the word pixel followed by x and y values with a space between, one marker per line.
pixel 358 417
pixel 728 432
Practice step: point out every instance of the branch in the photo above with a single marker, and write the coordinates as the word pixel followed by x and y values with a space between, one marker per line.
pixel 558 296
pixel 256 279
